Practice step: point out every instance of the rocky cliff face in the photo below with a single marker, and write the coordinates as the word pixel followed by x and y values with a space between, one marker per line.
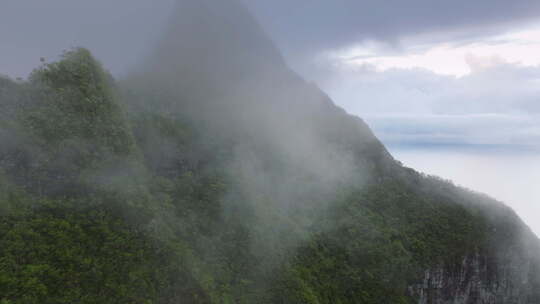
pixel 507 276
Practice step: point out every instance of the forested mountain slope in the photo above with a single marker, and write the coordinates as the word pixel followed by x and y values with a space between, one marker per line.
pixel 214 174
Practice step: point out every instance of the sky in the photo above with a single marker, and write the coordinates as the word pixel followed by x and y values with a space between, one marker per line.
pixel 451 87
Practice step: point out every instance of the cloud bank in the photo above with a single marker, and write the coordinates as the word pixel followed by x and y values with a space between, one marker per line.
pixel 305 25
pixel 496 106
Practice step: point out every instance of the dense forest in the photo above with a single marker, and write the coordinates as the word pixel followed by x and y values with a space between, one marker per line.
pixel 214 174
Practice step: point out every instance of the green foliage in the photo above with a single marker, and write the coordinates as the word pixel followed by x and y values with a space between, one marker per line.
pixel 58 252
pixel 78 102
pixel 71 136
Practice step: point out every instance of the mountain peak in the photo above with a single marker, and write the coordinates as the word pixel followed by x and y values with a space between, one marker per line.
pixel 214 37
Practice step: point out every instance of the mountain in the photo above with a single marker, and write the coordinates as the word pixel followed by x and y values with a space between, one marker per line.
pixel 214 174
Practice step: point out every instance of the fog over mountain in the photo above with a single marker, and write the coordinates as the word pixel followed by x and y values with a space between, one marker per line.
pixel 396 68
pixel 205 169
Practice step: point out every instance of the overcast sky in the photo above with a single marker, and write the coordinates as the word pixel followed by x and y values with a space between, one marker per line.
pixel 452 87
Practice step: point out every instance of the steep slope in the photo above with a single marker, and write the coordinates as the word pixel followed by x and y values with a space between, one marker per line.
pixel 214 174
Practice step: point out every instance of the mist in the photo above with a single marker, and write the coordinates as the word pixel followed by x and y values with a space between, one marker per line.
pixel 288 150
pixel 205 170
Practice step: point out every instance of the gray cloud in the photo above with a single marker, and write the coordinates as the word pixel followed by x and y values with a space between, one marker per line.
pixel 118 32
pixel 309 26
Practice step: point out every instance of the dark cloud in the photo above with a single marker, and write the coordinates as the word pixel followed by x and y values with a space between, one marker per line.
pixel 120 31
pixel 311 25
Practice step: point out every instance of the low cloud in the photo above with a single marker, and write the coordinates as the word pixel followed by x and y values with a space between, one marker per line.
pixel 495 105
